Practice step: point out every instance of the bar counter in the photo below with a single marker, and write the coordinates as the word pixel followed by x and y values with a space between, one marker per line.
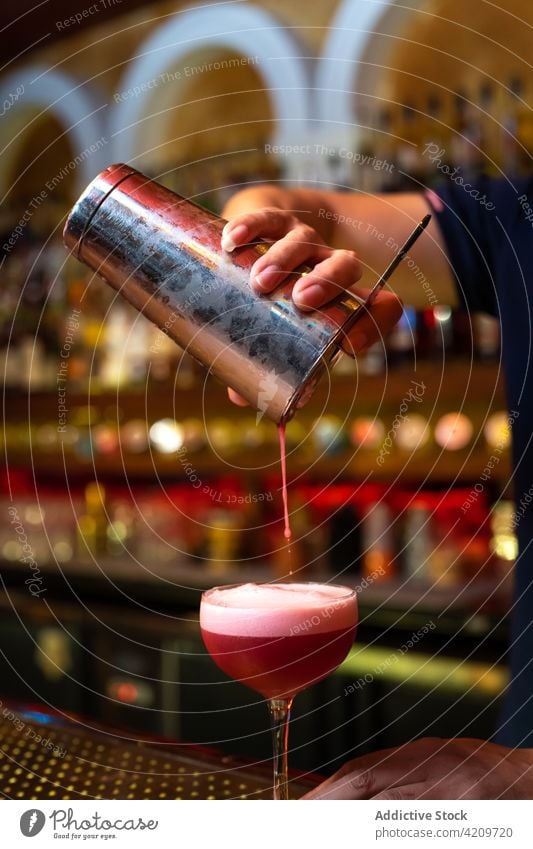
pixel 44 755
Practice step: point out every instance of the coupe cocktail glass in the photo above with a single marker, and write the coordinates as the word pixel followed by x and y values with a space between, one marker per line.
pixel 279 639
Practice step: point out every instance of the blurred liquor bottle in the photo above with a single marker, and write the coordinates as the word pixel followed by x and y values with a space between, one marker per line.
pixel 378 544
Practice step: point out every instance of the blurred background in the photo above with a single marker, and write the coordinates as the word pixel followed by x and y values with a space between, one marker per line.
pixel 135 484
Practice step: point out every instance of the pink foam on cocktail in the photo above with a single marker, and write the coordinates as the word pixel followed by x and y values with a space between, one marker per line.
pixel 278 610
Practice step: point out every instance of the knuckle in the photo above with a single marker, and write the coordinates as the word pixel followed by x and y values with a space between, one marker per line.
pixel 279 252
pixel 305 233
pixel 285 220
pixel 291 218
pixel 477 755
pixel 362 782
pixel 429 743
pixel 349 262
pixel 348 256
pixel 346 769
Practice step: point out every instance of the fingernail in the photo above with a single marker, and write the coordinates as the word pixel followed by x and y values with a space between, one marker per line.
pixel 267 278
pixel 310 297
pixel 232 239
pixel 227 244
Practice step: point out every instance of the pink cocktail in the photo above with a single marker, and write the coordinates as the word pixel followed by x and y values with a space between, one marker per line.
pixel 279 639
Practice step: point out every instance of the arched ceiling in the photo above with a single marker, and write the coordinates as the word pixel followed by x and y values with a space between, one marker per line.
pixel 450 43
pixel 221 104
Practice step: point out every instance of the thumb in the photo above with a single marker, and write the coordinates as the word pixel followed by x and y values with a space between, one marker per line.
pixel 373 323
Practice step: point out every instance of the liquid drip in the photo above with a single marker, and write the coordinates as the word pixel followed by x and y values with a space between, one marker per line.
pixel 287 533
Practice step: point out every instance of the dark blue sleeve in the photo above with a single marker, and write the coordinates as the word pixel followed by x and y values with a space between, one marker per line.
pixel 488 231
pixel 475 219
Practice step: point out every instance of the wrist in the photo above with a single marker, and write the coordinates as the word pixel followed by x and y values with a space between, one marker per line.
pixel 252 199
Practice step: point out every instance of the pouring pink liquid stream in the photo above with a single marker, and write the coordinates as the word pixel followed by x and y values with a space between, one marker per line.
pixel 287 533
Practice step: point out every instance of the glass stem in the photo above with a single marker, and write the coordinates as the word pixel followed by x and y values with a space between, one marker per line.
pixel 280 710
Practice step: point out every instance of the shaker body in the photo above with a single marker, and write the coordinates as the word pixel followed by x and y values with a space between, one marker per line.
pixel 162 253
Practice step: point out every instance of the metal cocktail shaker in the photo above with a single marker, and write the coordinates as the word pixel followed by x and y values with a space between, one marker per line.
pixel 162 253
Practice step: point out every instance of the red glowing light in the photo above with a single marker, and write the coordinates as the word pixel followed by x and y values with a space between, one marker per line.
pixel 127 692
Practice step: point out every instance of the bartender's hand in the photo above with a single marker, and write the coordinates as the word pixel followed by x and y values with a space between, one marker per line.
pixel 296 243
pixel 434 768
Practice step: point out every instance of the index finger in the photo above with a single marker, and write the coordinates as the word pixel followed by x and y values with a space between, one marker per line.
pixel 268 223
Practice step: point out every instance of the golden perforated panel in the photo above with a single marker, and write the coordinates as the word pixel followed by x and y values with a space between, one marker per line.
pixel 49 761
